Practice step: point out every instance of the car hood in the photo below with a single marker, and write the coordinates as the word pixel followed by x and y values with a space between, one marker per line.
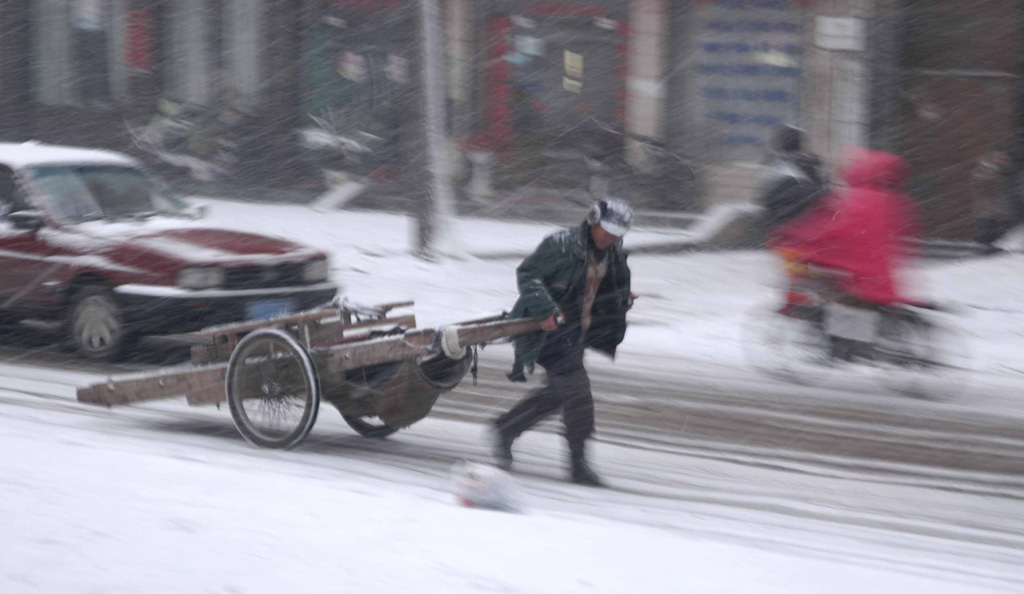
pixel 218 246
pixel 149 245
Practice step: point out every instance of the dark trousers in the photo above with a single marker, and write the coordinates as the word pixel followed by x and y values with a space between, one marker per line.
pixel 990 230
pixel 567 391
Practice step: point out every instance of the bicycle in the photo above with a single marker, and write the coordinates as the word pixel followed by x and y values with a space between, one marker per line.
pixel 347 160
pixel 672 179
pixel 204 141
pixel 822 334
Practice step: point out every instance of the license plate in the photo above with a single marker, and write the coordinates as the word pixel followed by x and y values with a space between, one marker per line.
pixel 261 310
pixel 853 323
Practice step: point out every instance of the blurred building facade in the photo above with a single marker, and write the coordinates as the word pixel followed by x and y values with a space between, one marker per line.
pixel 937 80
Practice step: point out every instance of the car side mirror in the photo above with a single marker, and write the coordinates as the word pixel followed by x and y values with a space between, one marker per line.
pixel 29 220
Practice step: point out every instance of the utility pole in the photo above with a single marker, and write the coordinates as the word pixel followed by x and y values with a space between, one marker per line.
pixel 16 115
pixel 434 235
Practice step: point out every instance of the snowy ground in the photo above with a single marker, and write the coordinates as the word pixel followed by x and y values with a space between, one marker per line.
pixel 163 498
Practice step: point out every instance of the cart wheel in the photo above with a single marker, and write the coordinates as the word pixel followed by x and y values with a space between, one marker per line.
pixel 273 390
pixel 367 428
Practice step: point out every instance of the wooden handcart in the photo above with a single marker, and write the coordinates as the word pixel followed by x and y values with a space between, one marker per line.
pixel 372 364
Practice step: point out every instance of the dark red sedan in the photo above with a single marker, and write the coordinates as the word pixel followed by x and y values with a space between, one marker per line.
pixel 90 239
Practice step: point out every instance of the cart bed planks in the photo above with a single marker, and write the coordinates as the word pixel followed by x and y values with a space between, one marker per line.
pixel 170 383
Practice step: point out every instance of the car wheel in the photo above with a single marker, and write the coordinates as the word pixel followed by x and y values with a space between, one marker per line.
pixel 95 325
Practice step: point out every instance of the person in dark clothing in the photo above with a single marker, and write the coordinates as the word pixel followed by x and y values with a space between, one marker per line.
pixel 995 209
pixel 390 119
pixel 792 180
pixel 793 197
pixel 577 283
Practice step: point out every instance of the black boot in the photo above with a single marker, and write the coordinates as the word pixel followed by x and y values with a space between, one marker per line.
pixel 582 473
pixel 517 374
pixel 501 447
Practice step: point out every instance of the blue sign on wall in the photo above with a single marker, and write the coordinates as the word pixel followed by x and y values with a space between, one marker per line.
pixel 744 73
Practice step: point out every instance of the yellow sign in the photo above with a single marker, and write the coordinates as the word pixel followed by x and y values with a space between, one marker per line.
pixel 573 86
pixel 573 64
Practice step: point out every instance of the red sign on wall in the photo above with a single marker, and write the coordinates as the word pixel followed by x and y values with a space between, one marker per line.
pixel 571 9
pixel 367 5
pixel 139 40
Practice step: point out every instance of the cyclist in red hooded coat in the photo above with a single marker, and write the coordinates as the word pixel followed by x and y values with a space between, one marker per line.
pixel 863 231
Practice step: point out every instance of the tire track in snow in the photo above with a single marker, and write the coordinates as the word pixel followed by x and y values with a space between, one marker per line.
pixel 912 433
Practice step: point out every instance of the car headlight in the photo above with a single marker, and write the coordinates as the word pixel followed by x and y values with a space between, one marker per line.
pixel 201 277
pixel 316 270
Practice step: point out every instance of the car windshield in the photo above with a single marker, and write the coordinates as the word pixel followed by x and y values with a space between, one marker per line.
pixel 80 193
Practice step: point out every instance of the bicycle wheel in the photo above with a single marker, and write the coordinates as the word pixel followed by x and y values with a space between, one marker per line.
pixel 922 357
pixel 792 348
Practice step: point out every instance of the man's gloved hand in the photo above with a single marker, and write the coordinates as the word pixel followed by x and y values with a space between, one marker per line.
pixel 552 322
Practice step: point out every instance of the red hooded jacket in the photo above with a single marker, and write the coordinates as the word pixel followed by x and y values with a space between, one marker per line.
pixel 862 232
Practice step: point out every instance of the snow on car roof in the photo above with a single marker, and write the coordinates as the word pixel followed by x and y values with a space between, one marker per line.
pixel 28 154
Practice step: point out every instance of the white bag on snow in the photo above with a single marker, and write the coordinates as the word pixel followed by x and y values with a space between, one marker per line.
pixel 485 487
